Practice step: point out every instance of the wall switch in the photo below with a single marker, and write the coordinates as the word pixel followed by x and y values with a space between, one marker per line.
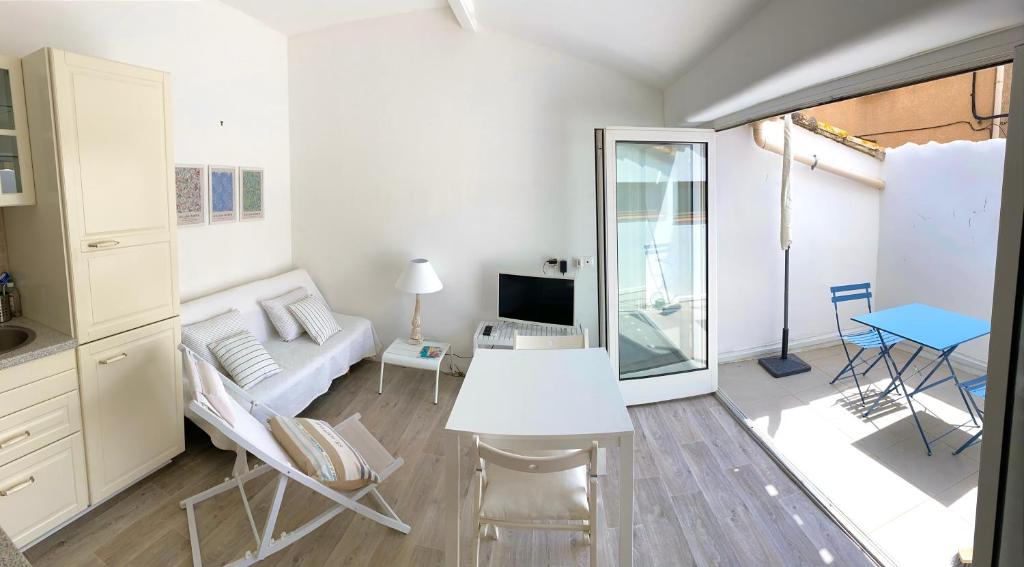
pixel 583 262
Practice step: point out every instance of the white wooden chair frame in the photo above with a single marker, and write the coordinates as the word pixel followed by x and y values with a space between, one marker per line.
pixel 581 457
pixel 351 429
pixel 545 342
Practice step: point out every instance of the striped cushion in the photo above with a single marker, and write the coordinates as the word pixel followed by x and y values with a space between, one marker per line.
pixel 320 452
pixel 282 319
pixel 314 316
pixel 198 336
pixel 245 359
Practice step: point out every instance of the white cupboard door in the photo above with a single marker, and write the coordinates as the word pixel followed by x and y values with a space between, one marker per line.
pixel 123 288
pixel 131 405
pixel 113 126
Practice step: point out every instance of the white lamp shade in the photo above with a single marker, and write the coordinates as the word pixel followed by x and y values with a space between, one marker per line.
pixel 419 277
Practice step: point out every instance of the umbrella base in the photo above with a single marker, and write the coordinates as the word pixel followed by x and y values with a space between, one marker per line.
pixel 780 367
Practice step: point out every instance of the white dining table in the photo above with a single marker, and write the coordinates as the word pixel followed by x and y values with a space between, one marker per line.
pixel 539 399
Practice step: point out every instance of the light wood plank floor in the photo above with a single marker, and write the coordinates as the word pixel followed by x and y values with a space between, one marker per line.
pixel 706 494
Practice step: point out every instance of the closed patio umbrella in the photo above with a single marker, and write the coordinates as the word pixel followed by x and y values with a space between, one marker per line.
pixel 785 364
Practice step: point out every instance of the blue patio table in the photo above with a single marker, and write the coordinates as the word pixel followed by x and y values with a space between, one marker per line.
pixel 929 327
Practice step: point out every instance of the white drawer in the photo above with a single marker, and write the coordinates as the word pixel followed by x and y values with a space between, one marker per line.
pixel 36 392
pixel 18 376
pixel 43 489
pixel 39 425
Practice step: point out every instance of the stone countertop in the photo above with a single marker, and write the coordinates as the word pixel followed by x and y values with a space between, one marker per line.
pixel 47 342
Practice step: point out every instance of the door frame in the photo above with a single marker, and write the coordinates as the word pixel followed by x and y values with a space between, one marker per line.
pixel 672 386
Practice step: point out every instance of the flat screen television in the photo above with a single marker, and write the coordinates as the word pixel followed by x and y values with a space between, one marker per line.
pixel 536 300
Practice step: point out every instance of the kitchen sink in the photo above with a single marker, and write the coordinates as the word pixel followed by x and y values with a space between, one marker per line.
pixel 12 337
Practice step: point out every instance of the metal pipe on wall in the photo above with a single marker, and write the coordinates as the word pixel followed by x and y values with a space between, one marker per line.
pixel 813 161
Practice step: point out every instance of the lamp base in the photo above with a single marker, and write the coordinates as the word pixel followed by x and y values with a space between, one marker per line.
pixel 413 341
pixel 780 367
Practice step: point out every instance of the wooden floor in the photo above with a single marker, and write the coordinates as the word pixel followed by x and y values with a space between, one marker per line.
pixel 706 494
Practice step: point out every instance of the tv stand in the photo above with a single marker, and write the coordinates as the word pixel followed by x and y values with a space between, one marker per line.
pixel 501 334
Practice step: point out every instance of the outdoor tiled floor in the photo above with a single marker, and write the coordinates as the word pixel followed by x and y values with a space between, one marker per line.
pixel 917 509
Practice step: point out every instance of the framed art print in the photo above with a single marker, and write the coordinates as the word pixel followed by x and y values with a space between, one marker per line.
pixel 251 193
pixel 223 205
pixel 190 194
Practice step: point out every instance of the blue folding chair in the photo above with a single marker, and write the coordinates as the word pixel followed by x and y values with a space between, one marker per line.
pixel 974 390
pixel 864 340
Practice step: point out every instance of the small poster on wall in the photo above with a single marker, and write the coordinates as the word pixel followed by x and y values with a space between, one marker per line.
pixel 223 206
pixel 190 193
pixel 251 193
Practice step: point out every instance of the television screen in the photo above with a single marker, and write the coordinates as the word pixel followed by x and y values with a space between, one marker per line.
pixel 536 300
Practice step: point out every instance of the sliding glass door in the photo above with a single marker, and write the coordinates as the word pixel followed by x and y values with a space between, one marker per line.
pixel 656 240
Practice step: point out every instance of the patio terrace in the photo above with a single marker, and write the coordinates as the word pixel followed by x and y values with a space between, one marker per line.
pixel 915 509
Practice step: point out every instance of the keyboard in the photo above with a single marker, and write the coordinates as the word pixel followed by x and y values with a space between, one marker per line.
pixel 502 331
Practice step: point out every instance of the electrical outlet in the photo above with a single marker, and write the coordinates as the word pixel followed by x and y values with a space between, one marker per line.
pixel 583 262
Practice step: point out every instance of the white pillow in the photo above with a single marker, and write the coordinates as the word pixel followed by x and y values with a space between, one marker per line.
pixel 316 318
pixel 277 311
pixel 208 390
pixel 198 336
pixel 245 359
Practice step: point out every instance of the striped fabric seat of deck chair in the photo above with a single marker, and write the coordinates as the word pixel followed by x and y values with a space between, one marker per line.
pixel 252 436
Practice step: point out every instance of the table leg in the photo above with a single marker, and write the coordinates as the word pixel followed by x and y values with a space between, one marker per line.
pixel 452 507
pixel 380 388
pixel 437 381
pixel 626 500
pixel 896 380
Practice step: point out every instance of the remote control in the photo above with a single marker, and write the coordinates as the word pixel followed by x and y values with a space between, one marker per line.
pixel 487 330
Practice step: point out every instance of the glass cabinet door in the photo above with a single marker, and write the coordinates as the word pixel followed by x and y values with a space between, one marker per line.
pixel 16 187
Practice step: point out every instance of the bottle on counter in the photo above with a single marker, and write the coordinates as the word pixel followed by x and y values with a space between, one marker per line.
pixel 14 296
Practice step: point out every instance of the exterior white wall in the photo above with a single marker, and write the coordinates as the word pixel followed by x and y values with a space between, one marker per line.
pixel 835 240
pixel 411 137
pixel 938 227
pixel 224 66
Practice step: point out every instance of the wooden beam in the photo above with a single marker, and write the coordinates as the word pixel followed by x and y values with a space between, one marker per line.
pixel 465 13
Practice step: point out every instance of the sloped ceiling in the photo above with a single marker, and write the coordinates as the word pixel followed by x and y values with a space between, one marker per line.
pixel 711 57
pixel 650 40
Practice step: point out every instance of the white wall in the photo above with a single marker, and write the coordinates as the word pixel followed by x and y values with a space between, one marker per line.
pixel 411 137
pixel 938 228
pixel 835 240
pixel 224 66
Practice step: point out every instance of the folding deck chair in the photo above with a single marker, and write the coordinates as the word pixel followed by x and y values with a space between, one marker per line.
pixel 863 339
pixel 251 435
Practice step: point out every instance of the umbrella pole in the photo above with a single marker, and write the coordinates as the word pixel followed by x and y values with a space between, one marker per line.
pixel 785 312
pixel 784 365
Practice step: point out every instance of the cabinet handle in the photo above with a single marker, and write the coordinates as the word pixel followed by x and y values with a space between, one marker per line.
pixel 15 439
pixel 19 486
pixel 104 244
pixel 114 359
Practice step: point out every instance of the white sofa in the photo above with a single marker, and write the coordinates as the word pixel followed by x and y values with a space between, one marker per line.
pixel 307 368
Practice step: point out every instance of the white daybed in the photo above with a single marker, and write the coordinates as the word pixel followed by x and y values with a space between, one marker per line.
pixel 308 368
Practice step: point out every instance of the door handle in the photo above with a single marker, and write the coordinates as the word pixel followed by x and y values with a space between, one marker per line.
pixel 15 439
pixel 114 359
pixel 104 244
pixel 19 486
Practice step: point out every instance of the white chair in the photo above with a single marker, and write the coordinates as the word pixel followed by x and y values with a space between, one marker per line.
pixel 250 434
pixel 532 492
pixel 542 342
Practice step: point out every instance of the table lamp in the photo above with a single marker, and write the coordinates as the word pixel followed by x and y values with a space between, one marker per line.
pixel 418 277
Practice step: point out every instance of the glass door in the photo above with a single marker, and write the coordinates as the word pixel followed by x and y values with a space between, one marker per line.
pixel 657 261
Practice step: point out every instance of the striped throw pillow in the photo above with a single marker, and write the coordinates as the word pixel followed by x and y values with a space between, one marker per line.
pixel 282 319
pixel 198 336
pixel 320 452
pixel 314 316
pixel 245 359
